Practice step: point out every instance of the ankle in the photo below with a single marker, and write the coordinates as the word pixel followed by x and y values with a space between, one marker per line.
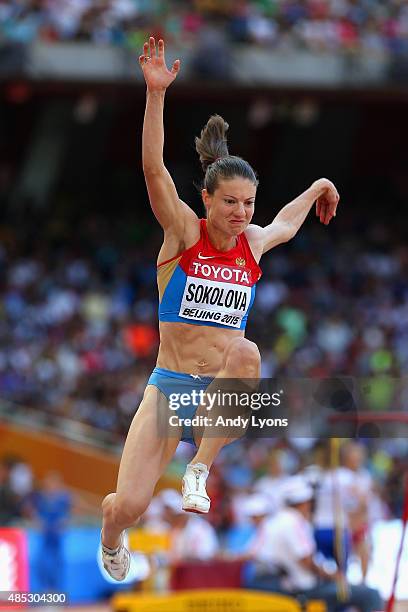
pixel 111 545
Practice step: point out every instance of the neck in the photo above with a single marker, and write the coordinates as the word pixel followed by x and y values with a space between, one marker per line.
pixel 220 240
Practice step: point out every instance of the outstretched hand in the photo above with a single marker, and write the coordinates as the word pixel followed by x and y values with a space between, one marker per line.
pixel 326 203
pixel 153 64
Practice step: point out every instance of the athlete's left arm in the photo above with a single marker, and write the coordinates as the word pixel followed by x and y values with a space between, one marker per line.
pixel 289 220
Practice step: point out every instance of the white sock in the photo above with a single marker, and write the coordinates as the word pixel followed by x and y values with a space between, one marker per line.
pixel 200 466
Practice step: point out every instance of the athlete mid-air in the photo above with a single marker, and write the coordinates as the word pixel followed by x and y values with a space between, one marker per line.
pixel 207 272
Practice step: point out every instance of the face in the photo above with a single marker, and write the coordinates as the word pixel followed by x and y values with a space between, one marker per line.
pixel 231 207
pixel 275 465
pixel 355 457
pixel 174 518
pixel 306 509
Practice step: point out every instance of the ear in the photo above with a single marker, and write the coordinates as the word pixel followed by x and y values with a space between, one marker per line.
pixel 206 198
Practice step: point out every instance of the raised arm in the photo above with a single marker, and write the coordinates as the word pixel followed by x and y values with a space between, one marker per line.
pixel 169 210
pixel 289 220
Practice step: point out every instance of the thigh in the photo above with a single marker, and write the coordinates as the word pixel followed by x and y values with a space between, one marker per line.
pixel 231 389
pixel 147 451
pixel 228 418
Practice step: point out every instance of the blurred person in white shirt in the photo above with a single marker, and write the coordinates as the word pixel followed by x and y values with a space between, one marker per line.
pixel 272 484
pixel 263 574
pixel 285 546
pixel 334 488
pixel 192 537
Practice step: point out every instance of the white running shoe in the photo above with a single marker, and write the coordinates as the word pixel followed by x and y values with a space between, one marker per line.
pixel 116 562
pixel 195 498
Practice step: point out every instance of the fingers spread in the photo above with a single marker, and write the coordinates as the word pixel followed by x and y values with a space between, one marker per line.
pixel 146 49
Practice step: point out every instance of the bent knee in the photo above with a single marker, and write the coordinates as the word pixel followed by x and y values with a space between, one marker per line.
pixel 127 509
pixel 242 359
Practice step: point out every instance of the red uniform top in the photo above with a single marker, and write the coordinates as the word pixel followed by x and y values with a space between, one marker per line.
pixel 204 286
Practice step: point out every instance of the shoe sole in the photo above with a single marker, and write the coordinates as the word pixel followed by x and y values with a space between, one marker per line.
pixel 193 508
pixel 115 577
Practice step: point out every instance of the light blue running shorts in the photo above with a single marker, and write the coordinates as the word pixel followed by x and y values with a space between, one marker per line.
pixel 171 383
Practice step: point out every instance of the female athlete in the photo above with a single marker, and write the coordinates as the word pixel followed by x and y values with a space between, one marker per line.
pixel 207 271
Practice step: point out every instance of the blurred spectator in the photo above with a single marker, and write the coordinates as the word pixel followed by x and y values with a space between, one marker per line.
pixel 212 58
pixel 273 483
pixel 20 477
pixel 50 508
pixel 264 573
pixel 192 537
pixel 334 491
pixel 360 502
pixel 9 510
pixel 395 485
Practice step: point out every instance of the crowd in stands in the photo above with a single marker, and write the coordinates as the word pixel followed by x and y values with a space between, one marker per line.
pixel 322 25
pixel 79 335
pixel 266 499
pixel 78 330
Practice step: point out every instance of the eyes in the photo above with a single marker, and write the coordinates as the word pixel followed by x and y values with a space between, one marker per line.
pixel 231 202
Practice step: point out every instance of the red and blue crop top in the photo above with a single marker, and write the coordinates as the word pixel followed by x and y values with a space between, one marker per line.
pixel 204 286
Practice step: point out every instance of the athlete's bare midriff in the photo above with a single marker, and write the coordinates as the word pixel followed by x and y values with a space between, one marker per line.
pixel 193 349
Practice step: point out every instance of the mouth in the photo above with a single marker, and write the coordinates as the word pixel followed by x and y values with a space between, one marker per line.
pixel 237 222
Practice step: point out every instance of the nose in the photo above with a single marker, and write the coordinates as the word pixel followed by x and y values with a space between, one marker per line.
pixel 240 209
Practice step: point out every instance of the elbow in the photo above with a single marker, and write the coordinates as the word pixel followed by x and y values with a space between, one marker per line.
pixel 290 232
pixel 152 170
pixel 151 167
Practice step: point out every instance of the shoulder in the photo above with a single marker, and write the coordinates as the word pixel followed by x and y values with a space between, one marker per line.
pixel 263 239
pixel 192 229
pixel 180 238
pixel 184 224
pixel 289 516
pixel 254 233
pixel 255 236
pixel 280 520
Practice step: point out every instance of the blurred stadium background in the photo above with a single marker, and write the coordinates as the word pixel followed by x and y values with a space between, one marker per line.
pixel 310 89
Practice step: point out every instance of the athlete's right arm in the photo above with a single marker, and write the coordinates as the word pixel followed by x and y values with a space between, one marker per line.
pixel 169 210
